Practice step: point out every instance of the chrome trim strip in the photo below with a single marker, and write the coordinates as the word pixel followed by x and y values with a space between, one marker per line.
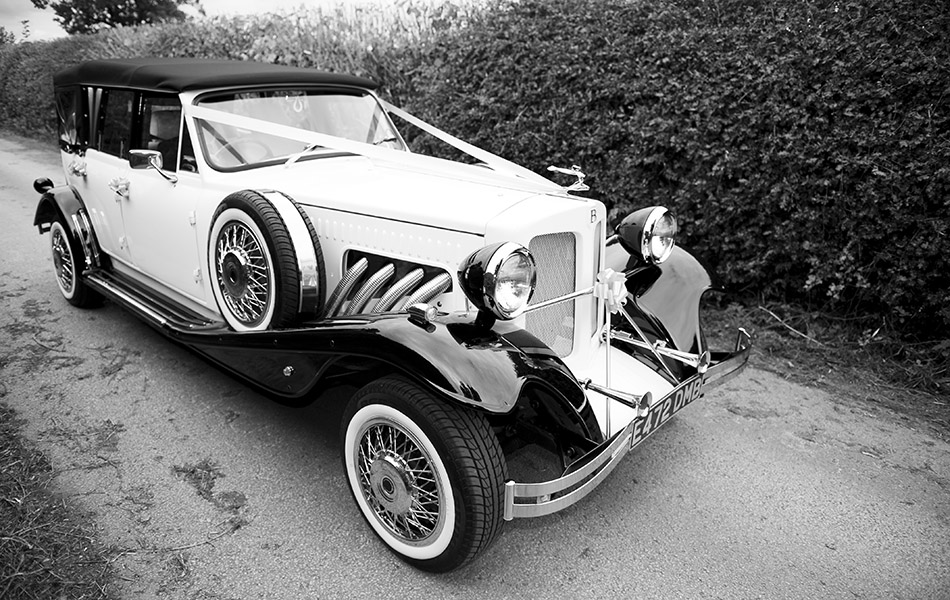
pixel 306 254
pixel 398 289
pixel 641 404
pixel 428 291
pixel 90 239
pixel 343 288
pixel 687 358
pixel 595 472
pixel 94 97
pixel 79 223
pixel 732 364
pixel 130 301
pixel 369 289
pixel 563 298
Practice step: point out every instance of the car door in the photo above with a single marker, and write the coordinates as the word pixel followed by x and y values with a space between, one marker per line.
pixel 159 213
pixel 105 167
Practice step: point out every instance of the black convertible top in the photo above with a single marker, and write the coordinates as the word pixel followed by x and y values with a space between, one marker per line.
pixel 180 74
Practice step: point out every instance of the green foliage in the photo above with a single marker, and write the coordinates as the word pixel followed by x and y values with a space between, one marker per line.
pixel 804 146
pixel 26 81
pixel 6 37
pixel 89 16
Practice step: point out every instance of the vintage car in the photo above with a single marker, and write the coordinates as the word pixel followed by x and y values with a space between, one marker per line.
pixel 275 221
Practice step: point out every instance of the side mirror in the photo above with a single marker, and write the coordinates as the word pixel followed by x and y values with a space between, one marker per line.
pixel 144 159
pixel 150 159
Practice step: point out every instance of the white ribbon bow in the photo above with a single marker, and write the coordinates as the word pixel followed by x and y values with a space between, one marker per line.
pixel 611 287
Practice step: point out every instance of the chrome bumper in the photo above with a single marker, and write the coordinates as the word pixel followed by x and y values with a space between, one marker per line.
pixel 538 499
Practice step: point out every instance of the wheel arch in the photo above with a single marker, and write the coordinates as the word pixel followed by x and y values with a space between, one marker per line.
pixel 65 201
pixel 307 249
pixel 455 359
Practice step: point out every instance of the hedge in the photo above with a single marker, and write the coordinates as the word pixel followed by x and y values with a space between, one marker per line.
pixel 804 146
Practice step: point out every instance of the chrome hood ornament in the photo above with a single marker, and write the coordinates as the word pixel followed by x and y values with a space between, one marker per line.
pixel 577 186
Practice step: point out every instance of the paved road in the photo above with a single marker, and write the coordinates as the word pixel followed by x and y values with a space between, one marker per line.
pixel 762 490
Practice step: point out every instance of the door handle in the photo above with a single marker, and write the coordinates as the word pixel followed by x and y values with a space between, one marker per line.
pixel 120 185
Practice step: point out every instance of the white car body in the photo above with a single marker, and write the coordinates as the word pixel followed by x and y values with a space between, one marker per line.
pixel 613 346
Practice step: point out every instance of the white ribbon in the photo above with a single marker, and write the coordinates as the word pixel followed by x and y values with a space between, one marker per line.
pixel 515 176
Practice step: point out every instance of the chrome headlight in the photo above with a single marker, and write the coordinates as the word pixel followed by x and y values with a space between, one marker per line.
pixel 649 233
pixel 499 279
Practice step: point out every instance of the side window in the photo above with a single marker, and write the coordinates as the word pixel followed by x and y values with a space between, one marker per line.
pixel 116 122
pixel 69 113
pixel 160 127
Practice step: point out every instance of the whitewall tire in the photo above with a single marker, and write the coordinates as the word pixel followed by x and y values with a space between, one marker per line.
pixel 428 476
pixel 252 264
pixel 68 259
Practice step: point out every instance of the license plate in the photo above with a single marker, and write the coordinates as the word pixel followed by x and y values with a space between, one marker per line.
pixel 681 396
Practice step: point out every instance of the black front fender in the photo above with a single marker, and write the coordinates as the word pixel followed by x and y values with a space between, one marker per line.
pixel 451 355
pixel 670 298
pixel 666 298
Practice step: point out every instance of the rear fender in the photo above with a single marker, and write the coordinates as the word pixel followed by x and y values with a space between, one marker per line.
pixel 64 201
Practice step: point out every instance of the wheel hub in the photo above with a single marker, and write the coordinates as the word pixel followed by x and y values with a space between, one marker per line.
pixel 391 484
pixel 234 272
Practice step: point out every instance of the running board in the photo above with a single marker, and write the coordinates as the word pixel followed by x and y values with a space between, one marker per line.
pixel 157 310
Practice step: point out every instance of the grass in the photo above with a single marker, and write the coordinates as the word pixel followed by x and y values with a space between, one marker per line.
pixel 48 548
pixel 856 358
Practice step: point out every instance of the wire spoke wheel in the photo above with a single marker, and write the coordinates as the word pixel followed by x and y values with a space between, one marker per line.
pixel 68 266
pixel 63 263
pixel 428 476
pixel 253 268
pixel 243 273
pixel 398 481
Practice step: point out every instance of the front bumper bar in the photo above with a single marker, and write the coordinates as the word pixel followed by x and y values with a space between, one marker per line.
pixel 538 499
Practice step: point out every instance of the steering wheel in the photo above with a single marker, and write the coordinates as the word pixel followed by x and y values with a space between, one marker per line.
pixel 255 149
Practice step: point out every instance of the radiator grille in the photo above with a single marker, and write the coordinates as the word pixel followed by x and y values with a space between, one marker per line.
pixel 554 325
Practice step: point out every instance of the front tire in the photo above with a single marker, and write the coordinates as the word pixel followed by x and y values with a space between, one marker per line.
pixel 67 255
pixel 428 476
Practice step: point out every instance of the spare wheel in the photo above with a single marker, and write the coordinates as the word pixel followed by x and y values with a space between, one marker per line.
pixel 254 272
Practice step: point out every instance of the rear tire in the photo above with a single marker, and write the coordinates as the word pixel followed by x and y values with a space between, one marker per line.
pixel 428 476
pixel 68 259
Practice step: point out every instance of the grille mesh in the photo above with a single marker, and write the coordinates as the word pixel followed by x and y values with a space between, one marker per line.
pixel 554 325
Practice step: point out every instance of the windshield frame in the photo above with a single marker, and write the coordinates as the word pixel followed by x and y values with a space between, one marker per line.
pixel 304 152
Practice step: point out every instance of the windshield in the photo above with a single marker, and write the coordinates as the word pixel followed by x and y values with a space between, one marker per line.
pixel 355 116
